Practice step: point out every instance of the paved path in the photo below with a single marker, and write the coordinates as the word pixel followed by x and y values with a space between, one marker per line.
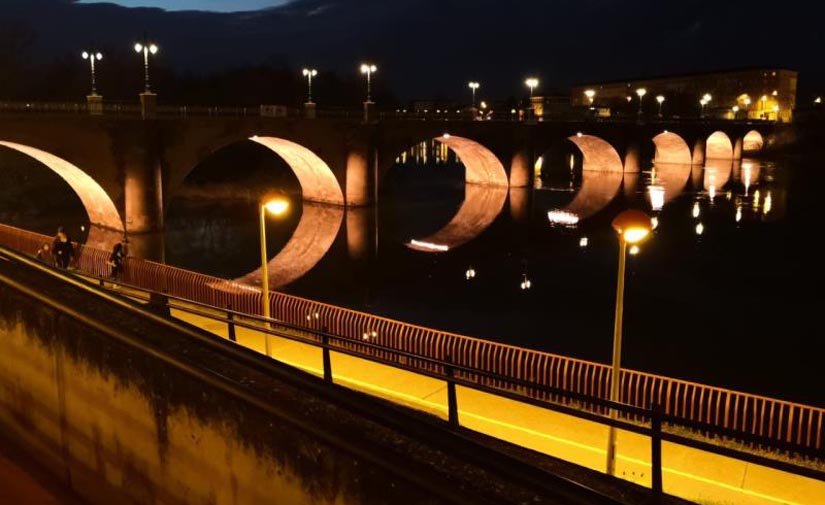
pixel 687 473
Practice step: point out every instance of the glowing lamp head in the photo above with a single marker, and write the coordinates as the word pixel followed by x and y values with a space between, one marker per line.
pixel 85 55
pixel 589 93
pixel 775 92
pixel 310 72
pixel 153 49
pixel 138 47
pixel 707 98
pixel 641 92
pixel 531 82
pixel 660 98
pixel 735 108
pixel 368 68
pixel 629 98
pixel 474 85
pixel 277 206
pixel 818 99
pixel 98 56
pixel 633 226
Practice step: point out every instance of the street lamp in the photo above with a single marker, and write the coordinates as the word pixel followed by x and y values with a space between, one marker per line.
pixel 633 226
pixel 704 101
pixel 474 86
pixel 92 57
pixel 590 94
pixel 146 48
pixel 641 92
pixel 661 100
pixel 309 73
pixel 531 83
pixel 735 110
pixel 276 206
pixel 368 69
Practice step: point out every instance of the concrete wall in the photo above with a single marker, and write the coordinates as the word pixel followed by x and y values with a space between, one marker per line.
pixel 120 425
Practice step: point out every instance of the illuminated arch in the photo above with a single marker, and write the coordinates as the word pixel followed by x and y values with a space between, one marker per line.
pixel 671 148
pixel 598 154
pixel 99 206
pixel 480 164
pixel 481 206
pixel 719 147
pixel 318 183
pixel 316 231
pixel 753 142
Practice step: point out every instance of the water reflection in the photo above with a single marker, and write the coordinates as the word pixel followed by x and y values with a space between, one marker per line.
pixel 481 206
pixel 317 229
pixel 598 189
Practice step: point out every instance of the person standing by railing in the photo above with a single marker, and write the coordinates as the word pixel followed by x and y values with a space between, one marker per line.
pixel 62 249
pixel 116 262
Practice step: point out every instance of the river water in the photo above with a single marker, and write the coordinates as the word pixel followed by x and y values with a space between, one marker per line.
pixel 725 292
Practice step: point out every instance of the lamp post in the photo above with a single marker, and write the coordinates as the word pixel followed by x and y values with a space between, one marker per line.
pixel 474 86
pixel 146 48
pixel 92 56
pixel 277 207
pixel 641 92
pixel 706 98
pixel 368 69
pixel 661 100
pixel 531 83
pixel 633 226
pixel 309 73
pixel 591 95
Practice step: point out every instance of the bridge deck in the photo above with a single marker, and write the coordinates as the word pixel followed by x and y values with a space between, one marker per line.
pixel 688 473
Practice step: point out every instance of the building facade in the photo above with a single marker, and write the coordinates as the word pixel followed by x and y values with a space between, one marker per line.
pixel 752 93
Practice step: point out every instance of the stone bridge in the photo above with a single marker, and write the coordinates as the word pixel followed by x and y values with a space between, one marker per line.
pixel 125 170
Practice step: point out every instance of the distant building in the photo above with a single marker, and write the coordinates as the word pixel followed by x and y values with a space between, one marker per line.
pixel 751 93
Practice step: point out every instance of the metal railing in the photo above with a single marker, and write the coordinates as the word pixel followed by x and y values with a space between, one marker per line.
pixel 500 366
pixel 129 109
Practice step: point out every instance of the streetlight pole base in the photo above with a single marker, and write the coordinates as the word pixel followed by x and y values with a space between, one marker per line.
pixel 148 104
pixel 369 112
pixel 310 111
pixel 94 104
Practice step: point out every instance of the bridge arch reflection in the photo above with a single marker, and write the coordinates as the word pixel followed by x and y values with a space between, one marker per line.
pixel 107 224
pixel 312 239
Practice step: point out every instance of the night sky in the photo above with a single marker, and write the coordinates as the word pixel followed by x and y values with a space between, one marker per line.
pixel 206 5
pixel 432 48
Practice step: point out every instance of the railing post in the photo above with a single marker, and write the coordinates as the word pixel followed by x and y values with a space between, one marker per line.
pixel 656 450
pixel 327 361
pixel 452 400
pixel 231 323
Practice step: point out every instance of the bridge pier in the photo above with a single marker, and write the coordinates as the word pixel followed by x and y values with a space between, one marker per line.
pixel 521 169
pixel 699 152
pixel 144 209
pixel 359 171
pixel 737 148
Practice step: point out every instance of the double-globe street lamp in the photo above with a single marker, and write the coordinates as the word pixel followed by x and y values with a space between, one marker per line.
pixel 277 206
pixel 633 226
pixel 309 73
pixel 641 92
pixel 92 56
pixel 146 48
pixel 368 69
pixel 474 86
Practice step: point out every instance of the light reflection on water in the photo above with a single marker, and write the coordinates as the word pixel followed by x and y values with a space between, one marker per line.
pixel 714 306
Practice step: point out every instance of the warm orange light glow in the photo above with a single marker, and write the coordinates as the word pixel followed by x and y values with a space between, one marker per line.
pixel 598 154
pixel 481 165
pixel 633 226
pixel 277 206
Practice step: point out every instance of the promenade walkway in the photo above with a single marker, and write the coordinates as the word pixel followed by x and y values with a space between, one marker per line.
pixel 687 473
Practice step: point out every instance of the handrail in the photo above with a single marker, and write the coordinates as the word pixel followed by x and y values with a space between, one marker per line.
pixel 448 372
pixel 735 412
